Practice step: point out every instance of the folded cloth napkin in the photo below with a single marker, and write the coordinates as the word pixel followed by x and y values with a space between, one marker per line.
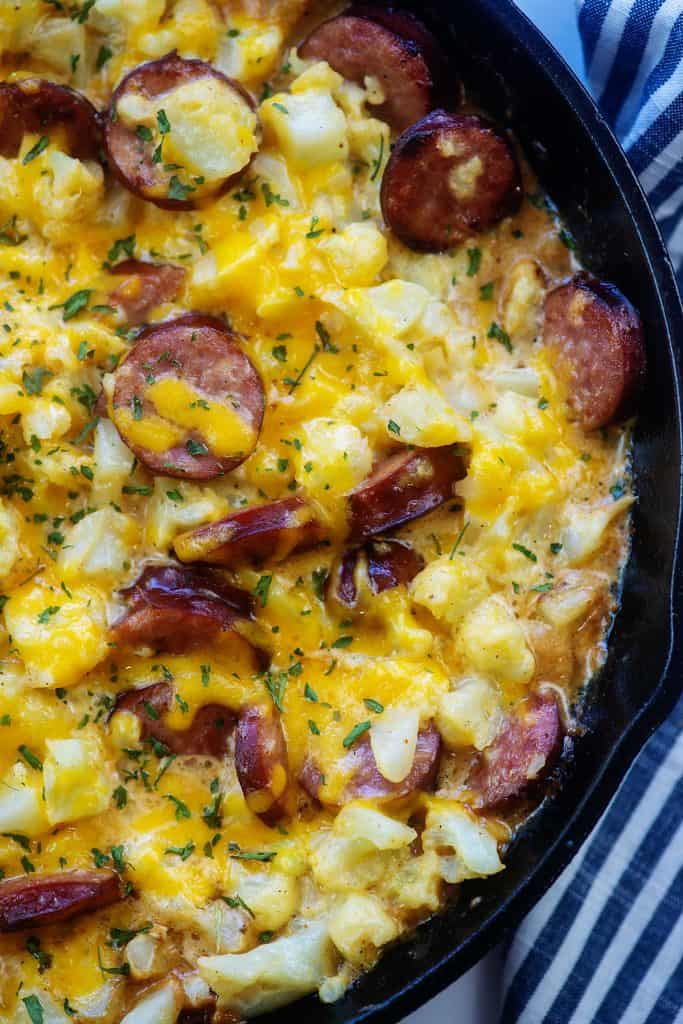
pixel 605 945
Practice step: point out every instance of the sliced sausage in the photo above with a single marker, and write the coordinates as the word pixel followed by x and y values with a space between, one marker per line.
pixel 449 176
pixel 146 286
pixel 598 335
pixel 37 106
pixel 261 761
pixel 403 487
pixel 365 779
pixel 175 608
pixel 187 400
pixel 270 531
pixel 387 563
pixel 208 734
pixel 34 900
pixel 135 150
pixel 520 753
pixel 396 49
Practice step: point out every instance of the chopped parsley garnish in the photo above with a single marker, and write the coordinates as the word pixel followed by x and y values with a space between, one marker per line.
pixel 342 641
pixel 181 809
pixel 178 191
pixel 458 541
pixel 262 855
pixel 377 162
pixel 474 262
pixel 279 352
pixel 123 246
pixel 324 336
pixel 314 231
pixel 196 448
pixel 182 851
pixel 318 578
pixel 34 380
pixel 206 674
pixel 373 705
pixel 356 733
pixel 36 150
pixel 75 303
pixel 618 490
pixel 262 587
pixel 393 427
pixel 120 937
pixel 276 684
pixel 313 727
pixel 43 959
pixel 163 122
pixel 34 1009
pixel 310 694
pixel 526 552
pixel 555 547
pixel 496 332
pixel 236 902
pixel 103 55
pixel 31 759
pixel 486 291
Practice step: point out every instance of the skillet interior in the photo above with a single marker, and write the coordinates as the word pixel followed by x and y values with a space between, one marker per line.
pixel 523 82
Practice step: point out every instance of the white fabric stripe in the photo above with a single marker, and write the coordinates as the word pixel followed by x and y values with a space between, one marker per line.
pixel 538 918
pixel 662 163
pixel 608 44
pixel 621 854
pixel 628 933
pixel 659 971
pixel 656 105
pixel 652 54
pixel 670 204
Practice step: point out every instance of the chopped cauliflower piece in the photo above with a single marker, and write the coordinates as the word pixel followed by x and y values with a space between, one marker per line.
pixel 468 848
pixel 420 415
pixel 357 254
pixel 494 643
pixel 78 780
pixel 470 715
pixel 450 587
pixel 393 738
pixel 309 127
pixel 359 926
pixel 22 805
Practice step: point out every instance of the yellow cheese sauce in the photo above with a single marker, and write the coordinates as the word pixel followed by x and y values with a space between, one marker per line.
pixel 363 347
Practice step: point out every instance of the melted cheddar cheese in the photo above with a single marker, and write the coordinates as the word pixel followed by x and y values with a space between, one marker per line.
pixel 363 347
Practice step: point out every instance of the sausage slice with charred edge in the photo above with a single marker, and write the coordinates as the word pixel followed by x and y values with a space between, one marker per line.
pixel 207 735
pixel 366 781
pixel 36 105
pixel 403 487
pixel 260 747
pixel 520 754
pixel 187 400
pixel 145 287
pixel 449 176
pixel 598 335
pixel 136 148
pixel 174 608
pixel 395 48
pixel 34 900
pixel 388 563
pixel 271 531
pixel 261 761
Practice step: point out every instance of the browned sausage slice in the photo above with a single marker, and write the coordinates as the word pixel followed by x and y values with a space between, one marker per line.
pixel 36 105
pixel 139 134
pixel 34 900
pixel 396 49
pixel 598 335
pixel 207 735
pixel 188 400
pixel 145 286
pixel 366 781
pixel 449 176
pixel 175 608
pixel 271 531
pixel 261 761
pixel 388 563
pixel 520 753
pixel 405 486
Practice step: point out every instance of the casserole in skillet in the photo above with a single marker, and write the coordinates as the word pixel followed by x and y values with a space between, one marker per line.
pixel 401 457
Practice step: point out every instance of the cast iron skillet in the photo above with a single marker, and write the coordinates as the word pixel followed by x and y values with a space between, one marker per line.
pixel 523 82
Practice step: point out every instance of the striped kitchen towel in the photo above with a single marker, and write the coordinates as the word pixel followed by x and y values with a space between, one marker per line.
pixel 605 945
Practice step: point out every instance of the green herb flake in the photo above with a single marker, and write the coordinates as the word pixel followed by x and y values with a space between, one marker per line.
pixel 75 303
pixel 34 1009
pixel 526 552
pixel 356 733
pixel 496 332
pixel 393 427
pixel 36 150
pixel 262 587
pixel 473 262
pixel 373 705
pixel 276 684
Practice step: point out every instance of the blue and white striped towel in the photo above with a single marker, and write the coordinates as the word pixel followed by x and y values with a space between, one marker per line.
pixel 605 945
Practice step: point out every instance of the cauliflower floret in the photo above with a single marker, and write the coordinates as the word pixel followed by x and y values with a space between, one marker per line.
pixel 333 458
pixel 22 807
pixel 78 780
pixel 309 127
pixel 68 193
pixel 420 415
pixel 99 545
pixel 357 254
pixel 45 419
pixel 464 840
pixel 522 299
pixel 393 738
pixel 60 635
pixel 272 974
pixel 358 821
pixel 450 587
pixel 176 506
pixel 9 538
pixel 359 926
pixel 586 529
pixel 493 642
pixel 470 715
pixel 113 463
pixel 160 1006
pixel 252 53
pixel 272 896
